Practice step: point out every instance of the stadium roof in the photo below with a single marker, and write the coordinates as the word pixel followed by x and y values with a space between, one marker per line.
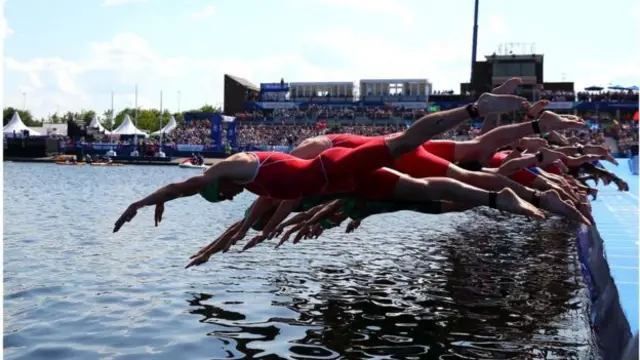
pixel 243 82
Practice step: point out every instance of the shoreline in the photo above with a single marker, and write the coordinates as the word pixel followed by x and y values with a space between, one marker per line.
pixel 52 160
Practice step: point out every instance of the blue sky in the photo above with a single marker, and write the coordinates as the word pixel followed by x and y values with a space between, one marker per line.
pixel 70 54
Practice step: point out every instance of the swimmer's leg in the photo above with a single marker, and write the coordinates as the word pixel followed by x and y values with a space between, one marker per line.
pixel 437 123
pixel 481 147
pixel 434 189
pixel 549 200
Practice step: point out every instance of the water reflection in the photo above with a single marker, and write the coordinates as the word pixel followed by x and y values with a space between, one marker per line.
pixel 403 286
pixel 483 291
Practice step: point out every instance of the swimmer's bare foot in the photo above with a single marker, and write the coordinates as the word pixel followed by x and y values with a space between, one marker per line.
pixel 551 121
pixel 551 201
pixel 563 168
pixel 585 209
pixel 508 87
pixel 599 150
pixel 551 156
pixel 532 144
pixel 498 104
pixel 507 200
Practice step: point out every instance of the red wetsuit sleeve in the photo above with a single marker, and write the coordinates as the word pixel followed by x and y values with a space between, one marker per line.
pixel 444 149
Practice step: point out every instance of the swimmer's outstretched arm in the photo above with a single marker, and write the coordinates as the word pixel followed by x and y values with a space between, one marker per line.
pixel 305 227
pixel 328 210
pixel 284 210
pixel 259 208
pixel 235 168
pixel 297 219
pixel 222 243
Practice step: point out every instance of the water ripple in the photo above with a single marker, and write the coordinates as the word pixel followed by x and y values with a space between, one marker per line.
pixel 405 286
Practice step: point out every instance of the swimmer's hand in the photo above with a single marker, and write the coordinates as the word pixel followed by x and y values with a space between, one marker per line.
pixel 304 232
pixel 352 226
pixel 126 216
pixel 277 232
pixel 157 215
pixel 255 241
pixel 286 236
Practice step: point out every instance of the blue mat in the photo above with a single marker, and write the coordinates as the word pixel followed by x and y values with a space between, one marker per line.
pixel 609 257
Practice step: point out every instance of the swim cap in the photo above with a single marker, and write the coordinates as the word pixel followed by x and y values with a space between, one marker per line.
pixel 327 224
pixel 348 205
pixel 210 192
pixel 259 224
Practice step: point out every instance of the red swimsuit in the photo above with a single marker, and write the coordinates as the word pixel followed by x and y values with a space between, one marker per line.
pixel 336 170
pixel 522 176
pixel 418 164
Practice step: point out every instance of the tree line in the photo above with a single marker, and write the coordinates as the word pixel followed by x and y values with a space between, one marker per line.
pixel 148 119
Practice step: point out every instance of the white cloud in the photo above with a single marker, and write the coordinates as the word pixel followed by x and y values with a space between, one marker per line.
pixel 203 13
pixel 127 59
pixel 387 7
pixel 120 2
pixel 6 30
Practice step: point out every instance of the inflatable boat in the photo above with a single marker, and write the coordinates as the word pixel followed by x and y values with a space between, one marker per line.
pixel 186 164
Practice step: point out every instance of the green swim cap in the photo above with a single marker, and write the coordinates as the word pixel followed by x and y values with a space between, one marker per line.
pixel 348 205
pixel 327 224
pixel 210 192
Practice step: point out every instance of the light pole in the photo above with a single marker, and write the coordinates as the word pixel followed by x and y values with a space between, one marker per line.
pixel 474 44
pixel 178 101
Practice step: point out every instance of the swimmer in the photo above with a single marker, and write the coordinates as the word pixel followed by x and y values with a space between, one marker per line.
pixel 284 177
pixel 313 222
pixel 356 209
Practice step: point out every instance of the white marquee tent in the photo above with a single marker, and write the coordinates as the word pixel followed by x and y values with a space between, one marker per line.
pixel 171 125
pixel 16 125
pixel 128 128
pixel 96 125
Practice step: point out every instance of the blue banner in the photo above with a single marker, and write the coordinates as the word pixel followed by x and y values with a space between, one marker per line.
pixel 275 87
pixel 607 106
pixel 231 134
pixel 216 133
pixel 189 147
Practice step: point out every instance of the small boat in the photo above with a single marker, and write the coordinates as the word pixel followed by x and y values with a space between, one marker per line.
pixel 104 164
pixel 69 163
pixel 186 164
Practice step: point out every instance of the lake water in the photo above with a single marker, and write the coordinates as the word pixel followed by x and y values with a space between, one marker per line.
pixel 404 286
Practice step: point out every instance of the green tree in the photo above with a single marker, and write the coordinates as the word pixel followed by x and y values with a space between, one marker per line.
pixel 210 108
pixel 107 122
pixel 85 115
pixel 55 119
pixel 25 115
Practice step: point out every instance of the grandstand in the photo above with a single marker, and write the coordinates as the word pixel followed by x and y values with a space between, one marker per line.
pixel 408 93
pixel 324 92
